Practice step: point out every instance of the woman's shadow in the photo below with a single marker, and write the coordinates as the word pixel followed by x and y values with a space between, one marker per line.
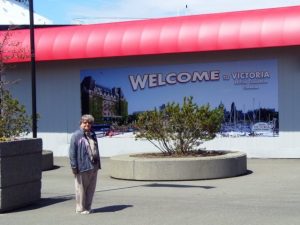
pixel 112 208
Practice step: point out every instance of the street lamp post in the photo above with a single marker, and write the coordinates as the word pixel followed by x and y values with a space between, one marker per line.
pixel 33 72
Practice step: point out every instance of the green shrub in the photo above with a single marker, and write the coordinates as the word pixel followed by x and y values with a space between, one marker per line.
pixel 179 129
pixel 14 121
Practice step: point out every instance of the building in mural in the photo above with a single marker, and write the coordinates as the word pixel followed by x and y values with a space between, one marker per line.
pixel 105 104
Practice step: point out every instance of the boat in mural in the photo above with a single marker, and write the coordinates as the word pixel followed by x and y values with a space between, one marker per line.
pixel 264 129
pixel 256 122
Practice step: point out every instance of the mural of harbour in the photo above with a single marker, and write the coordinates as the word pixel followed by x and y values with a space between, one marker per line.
pixel 256 122
pixel 248 91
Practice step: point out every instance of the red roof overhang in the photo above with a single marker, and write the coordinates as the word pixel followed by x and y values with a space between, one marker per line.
pixel 208 32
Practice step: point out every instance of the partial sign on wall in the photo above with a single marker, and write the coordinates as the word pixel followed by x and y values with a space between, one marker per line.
pixel 248 90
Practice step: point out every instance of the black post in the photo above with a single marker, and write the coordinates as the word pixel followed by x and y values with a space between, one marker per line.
pixel 33 79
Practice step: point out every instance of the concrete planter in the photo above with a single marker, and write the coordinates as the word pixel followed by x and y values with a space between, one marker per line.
pixel 191 168
pixel 20 173
pixel 47 160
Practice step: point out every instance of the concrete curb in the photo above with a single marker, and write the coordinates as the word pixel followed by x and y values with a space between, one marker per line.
pixel 47 160
pixel 191 168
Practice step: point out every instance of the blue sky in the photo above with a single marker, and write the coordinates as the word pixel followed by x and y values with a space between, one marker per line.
pixel 100 11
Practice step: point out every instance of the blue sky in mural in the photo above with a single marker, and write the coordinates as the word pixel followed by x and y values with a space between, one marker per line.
pixel 257 86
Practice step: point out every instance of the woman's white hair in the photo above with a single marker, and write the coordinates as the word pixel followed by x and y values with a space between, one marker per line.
pixel 87 117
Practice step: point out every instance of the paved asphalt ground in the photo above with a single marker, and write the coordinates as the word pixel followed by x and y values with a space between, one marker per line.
pixel 268 195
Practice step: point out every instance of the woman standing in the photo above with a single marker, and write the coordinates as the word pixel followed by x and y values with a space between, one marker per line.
pixel 85 162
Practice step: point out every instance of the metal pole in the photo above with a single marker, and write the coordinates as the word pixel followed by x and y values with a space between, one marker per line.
pixel 33 72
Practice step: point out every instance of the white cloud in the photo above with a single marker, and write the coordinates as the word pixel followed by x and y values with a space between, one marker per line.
pixel 15 13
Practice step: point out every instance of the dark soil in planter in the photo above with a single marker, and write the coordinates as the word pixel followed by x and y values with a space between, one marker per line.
pixel 199 153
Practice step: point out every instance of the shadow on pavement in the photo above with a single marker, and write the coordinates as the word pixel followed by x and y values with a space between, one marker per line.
pixel 43 202
pixel 248 172
pixel 55 167
pixel 112 208
pixel 159 185
pixel 177 186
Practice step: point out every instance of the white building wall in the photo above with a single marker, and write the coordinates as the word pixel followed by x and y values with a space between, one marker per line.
pixel 58 102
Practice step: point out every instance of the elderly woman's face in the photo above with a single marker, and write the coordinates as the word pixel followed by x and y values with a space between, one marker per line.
pixel 86 125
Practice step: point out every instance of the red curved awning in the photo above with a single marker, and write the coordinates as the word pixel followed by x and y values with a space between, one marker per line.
pixel 209 32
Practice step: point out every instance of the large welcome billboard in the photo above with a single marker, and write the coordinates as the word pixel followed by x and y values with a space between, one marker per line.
pixel 248 90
